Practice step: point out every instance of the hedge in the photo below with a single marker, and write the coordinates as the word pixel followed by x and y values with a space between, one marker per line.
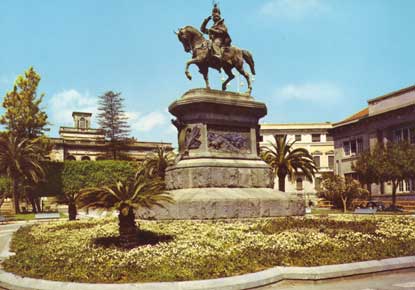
pixel 71 176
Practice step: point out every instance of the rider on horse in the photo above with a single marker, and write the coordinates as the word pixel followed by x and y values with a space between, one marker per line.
pixel 218 33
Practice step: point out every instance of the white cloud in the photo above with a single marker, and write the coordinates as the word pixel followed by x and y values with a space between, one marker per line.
pixel 146 122
pixel 62 104
pixel 292 9
pixel 314 92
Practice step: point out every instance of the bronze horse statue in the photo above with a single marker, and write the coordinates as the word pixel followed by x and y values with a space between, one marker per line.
pixel 232 57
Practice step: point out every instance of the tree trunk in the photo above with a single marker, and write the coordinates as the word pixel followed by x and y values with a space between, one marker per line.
pixel 33 203
pixel 281 182
pixel 394 187
pixel 344 201
pixel 128 229
pixel 72 210
pixel 15 196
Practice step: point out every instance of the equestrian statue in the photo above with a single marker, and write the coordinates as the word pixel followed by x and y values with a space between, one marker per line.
pixel 216 52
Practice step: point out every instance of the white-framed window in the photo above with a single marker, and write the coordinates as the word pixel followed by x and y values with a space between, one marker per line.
pixel 353 147
pixel 298 137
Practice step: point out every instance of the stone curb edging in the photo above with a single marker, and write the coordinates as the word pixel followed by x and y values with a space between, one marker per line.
pixel 246 281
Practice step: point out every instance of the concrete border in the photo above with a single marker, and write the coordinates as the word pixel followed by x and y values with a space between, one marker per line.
pixel 246 281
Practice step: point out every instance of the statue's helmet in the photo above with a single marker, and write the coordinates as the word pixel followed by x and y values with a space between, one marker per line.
pixel 215 10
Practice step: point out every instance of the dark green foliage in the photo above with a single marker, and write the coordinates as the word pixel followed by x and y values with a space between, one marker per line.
pixel 81 174
pixel 66 179
pixel 113 120
pixel 23 116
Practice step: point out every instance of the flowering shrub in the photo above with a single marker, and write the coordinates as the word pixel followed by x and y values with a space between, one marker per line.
pixel 67 251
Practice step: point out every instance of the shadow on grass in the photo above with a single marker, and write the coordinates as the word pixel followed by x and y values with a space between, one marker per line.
pixel 143 238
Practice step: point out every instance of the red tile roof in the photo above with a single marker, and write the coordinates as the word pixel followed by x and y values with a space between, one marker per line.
pixel 359 115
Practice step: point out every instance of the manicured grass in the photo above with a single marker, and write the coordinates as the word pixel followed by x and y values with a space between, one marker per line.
pixel 85 251
pixel 27 217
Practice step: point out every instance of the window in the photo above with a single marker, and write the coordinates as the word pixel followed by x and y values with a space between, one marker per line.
pixel 297 137
pixel 404 134
pixel 346 148
pixel 400 186
pixel 331 162
pixel 329 137
pixel 82 123
pixel 317 161
pixel 353 147
pixel 359 145
pixel 299 184
pixel 315 137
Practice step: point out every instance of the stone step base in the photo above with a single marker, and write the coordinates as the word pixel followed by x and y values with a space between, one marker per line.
pixel 216 203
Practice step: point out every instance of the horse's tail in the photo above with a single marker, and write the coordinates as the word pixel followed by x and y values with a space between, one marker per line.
pixel 249 60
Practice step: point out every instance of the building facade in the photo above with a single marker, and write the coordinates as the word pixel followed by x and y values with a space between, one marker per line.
pixel 312 136
pixel 81 142
pixel 387 118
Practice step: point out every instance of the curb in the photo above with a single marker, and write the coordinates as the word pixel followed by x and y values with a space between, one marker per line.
pixel 241 282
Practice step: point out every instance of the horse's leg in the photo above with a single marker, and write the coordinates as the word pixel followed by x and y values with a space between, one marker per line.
pixel 188 63
pixel 228 71
pixel 204 70
pixel 246 75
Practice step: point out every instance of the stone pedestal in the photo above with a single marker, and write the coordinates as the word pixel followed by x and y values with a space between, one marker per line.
pixel 218 173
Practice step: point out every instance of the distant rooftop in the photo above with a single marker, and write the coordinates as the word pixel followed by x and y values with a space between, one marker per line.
pixel 296 126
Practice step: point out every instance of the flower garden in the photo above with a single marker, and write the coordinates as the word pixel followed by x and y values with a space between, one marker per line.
pixel 85 251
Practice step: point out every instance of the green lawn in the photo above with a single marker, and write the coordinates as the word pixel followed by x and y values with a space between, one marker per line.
pixel 86 251
pixel 27 217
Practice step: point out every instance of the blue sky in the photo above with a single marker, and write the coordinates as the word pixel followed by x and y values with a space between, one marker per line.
pixel 316 60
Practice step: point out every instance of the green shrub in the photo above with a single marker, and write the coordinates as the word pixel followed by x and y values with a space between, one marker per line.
pixel 71 176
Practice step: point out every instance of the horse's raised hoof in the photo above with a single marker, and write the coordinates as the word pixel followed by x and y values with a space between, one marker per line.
pixel 188 75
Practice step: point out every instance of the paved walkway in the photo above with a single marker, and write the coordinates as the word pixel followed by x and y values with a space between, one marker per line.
pixel 399 280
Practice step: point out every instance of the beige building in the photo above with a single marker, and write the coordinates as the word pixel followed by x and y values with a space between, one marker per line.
pixel 387 118
pixel 312 136
pixel 81 142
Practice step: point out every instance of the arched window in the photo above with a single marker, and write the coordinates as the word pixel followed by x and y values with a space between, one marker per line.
pixel 85 158
pixel 70 157
pixel 299 183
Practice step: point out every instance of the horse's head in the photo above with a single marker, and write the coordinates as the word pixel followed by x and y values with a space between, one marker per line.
pixel 187 36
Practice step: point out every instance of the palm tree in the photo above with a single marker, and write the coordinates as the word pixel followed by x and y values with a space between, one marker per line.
pixel 125 197
pixel 20 161
pixel 155 163
pixel 285 160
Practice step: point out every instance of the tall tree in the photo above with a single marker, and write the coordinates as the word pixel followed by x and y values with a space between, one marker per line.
pixel 23 115
pixel 20 161
pixel 285 160
pixel 113 120
pixel 394 162
pixel 366 167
